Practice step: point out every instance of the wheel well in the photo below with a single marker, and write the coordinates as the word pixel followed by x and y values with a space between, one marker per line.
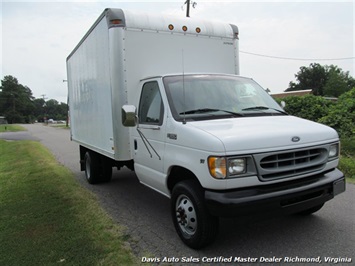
pixel 178 174
pixel 82 157
pixel 129 164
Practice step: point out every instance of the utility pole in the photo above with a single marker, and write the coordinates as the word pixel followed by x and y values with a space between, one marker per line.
pixel 44 99
pixel 44 109
pixel 188 3
pixel 188 8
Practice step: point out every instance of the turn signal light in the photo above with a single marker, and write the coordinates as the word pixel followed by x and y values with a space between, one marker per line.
pixel 217 167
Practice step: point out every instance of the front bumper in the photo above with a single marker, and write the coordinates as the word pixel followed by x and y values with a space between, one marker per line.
pixel 286 198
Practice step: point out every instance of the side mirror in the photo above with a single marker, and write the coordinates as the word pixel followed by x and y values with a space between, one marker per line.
pixel 283 104
pixel 129 116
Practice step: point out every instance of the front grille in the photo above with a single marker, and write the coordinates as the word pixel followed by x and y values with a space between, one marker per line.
pixel 290 163
pixel 290 159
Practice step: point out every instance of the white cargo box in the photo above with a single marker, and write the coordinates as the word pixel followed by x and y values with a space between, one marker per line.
pixel 124 47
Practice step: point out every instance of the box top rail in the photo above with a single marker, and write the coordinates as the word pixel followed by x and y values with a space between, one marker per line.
pixel 144 21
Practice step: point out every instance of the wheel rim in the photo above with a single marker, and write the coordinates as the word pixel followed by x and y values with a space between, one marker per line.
pixel 186 215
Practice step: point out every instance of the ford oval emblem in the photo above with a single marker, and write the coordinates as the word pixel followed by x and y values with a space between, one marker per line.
pixel 296 139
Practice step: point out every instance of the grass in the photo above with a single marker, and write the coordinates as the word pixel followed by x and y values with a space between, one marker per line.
pixel 47 218
pixel 11 128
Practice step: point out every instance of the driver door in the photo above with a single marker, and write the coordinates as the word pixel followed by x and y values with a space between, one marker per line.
pixel 149 139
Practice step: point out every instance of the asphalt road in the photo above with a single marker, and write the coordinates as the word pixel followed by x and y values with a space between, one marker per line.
pixel 330 233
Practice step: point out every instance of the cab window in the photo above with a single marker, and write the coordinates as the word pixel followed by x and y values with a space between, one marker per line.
pixel 151 105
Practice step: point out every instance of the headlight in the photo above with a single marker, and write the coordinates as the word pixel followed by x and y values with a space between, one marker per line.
pixel 221 167
pixel 333 151
pixel 237 166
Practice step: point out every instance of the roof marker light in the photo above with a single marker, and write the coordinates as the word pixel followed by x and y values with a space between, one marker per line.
pixel 171 26
pixel 116 21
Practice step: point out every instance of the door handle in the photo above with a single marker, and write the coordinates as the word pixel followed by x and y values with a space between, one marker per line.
pixel 149 127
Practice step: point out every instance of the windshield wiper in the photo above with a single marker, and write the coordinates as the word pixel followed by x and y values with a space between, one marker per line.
pixel 208 110
pixel 264 108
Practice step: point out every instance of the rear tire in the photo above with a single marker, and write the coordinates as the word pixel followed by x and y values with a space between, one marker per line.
pixel 98 168
pixel 92 167
pixel 192 221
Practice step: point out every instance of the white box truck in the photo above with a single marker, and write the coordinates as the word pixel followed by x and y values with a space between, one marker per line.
pixel 163 97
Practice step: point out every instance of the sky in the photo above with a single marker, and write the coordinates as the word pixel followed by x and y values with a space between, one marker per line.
pixel 276 38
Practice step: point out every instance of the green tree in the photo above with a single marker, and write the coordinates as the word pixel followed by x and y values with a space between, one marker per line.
pixel 15 101
pixel 40 111
pixel 63 111
pixel 338 82
pixel 312 78
pixel 322 80
pixel 50 109
pixel 335 86
pixel 51 106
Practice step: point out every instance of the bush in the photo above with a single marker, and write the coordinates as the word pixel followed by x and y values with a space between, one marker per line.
pixel 341 116
pixel 347 166
pixel 348 147
pixel 347 162
pixel 308 107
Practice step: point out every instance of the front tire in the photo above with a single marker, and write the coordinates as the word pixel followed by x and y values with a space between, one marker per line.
pixel 192 221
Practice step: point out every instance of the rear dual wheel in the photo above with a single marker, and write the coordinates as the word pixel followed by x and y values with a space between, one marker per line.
pixel 97 168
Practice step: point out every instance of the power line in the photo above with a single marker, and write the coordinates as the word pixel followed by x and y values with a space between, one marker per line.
pixel 299 59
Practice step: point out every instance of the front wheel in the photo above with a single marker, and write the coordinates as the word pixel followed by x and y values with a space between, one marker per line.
pixel 194 225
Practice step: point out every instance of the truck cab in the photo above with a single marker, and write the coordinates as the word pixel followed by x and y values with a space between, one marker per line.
pixel 241 153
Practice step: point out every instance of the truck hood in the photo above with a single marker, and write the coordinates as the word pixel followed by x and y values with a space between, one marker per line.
pixel 266 133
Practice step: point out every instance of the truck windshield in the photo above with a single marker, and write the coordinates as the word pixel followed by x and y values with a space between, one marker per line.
pixel 201 97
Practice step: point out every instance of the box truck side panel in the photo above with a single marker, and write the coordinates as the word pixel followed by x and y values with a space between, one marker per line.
pixel 90 92
pixel 145 48
pixel 151 53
